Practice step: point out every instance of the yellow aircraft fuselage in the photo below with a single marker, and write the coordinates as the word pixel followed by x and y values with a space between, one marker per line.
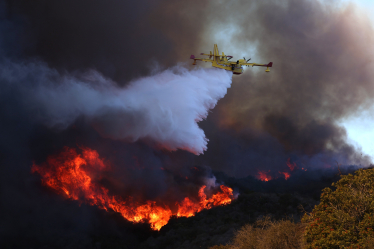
pixel 222 61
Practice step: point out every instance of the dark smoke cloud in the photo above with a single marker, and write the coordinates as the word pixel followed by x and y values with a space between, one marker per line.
pixel 322 73
pixel 121 39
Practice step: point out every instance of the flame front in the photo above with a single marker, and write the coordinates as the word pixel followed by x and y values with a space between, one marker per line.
pixel 188 208
pixel 72 175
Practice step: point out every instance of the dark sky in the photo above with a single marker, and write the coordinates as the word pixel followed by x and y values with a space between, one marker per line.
pixel 322 73
pixel 121 39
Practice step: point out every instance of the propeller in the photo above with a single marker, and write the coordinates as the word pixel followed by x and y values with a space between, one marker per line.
pixel 247 60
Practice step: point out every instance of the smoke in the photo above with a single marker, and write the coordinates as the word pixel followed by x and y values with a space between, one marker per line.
pixel 120 39
pixel 323 73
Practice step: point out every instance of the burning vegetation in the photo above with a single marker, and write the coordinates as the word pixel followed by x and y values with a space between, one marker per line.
pixel 266 176
pixel 77 177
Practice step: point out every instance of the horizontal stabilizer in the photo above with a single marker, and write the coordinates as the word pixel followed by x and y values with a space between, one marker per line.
pixel 270 64
pixel 228 56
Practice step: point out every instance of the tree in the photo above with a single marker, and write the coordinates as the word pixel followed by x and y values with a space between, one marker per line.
pixel 267 234
pixel 345 216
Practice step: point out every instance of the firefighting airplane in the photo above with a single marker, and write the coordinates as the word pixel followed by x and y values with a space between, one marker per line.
pixel 222 61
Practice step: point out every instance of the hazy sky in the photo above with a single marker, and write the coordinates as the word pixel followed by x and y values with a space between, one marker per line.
pixel 360 128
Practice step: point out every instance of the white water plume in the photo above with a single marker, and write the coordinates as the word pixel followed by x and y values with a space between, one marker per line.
pixel 165 107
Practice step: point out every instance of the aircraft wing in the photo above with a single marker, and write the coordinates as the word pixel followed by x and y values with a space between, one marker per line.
pixel 199 59
pixel 227 56
pixel 270 64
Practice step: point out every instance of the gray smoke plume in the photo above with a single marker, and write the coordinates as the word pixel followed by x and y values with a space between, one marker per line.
pixel 322 73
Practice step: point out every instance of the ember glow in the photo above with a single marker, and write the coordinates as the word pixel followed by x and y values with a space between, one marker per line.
pixel 290 165
pixel 293 166
pixel 264 176
pixel 75 176
pixel 286 175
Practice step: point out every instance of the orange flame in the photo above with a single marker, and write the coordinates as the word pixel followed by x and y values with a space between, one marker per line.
pixel 264 176
pixel 73 174
pixel 188 208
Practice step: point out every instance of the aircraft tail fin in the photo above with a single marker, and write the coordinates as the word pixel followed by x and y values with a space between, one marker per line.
pixel 268 65
pixel 192 56
pixel 216 53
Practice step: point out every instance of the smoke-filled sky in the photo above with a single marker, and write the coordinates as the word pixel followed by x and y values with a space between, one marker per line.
pixel 322 75
pixel 324 78
pixel 115 76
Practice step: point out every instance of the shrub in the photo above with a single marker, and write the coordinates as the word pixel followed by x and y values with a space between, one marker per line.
pixel 345 217
pixel 267 234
